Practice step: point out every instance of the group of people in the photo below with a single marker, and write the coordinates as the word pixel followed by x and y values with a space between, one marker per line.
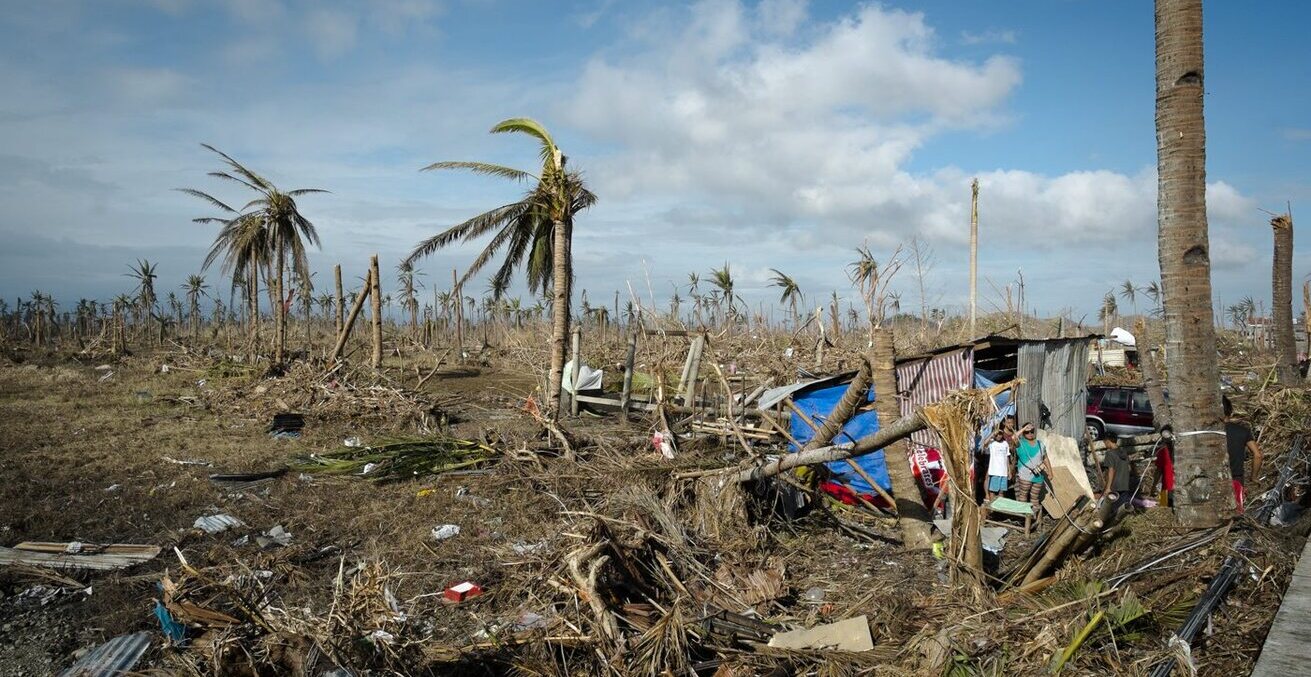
pixel 1017 455
pixel 1020 456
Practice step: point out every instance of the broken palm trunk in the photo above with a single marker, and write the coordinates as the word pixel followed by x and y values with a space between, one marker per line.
pixel 912 516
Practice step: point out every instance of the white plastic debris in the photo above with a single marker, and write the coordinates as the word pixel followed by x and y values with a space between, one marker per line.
pixel 445 531
pixel 382 637
pixel 73 548
pixel 353 442
pixel 275 536
pixel 523 548
pixel 368 468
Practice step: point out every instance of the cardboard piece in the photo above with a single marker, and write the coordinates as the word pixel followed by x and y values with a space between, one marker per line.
pixel 851 634
pixel 1069 480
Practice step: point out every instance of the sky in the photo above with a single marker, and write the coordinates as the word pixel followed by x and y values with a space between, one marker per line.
pixel 773 134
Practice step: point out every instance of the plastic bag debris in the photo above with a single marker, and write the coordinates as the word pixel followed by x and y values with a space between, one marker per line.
pixel 445 531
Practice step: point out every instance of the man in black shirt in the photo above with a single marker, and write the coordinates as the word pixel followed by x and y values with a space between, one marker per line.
pixel 1239 440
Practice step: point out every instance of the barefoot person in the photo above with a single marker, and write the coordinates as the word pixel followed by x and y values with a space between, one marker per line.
pixel 1239 440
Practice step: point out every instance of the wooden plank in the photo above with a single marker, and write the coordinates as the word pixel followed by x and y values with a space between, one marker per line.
pixel 101 558
pixel 1287 649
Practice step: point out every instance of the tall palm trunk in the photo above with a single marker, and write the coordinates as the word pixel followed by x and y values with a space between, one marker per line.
pixel 562 277
pixel 1201 468
pixel 280 311
pixel 912 517
pixel 1282 299
pixel 254 309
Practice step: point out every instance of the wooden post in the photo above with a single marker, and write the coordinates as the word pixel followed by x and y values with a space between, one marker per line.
pixel 375 289
pixel 693 369
pixel 627 392
pixel 350 320
pixel 341 300
pixel 575 348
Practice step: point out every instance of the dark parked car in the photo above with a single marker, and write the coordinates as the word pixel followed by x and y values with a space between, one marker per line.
pixel 1118 410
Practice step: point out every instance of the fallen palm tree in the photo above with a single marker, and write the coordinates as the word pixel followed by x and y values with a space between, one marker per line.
pixel 397 460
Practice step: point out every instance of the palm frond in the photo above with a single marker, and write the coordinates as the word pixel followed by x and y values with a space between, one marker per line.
pixel 485 168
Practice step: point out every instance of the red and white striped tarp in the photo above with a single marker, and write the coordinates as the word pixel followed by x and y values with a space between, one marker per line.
pixel 928 380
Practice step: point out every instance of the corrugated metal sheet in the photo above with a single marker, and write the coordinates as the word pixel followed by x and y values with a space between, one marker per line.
pixel 1055 373
pixel 111 659
pixel 928 380
pixel 1065 386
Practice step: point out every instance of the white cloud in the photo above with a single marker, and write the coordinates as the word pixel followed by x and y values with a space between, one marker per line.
pixel 1297 134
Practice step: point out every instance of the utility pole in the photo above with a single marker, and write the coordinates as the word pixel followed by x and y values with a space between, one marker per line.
pixel 974 256
pixel 1020 272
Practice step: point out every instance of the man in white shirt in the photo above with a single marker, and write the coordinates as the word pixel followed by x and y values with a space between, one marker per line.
pixel 999 464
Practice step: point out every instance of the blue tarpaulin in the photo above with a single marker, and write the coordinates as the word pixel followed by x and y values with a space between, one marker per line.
pixel 817 404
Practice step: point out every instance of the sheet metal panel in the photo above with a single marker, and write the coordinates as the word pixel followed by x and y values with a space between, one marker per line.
pixel 928 380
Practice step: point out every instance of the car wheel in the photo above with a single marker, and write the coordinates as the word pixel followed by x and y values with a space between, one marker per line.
pixel 1096 430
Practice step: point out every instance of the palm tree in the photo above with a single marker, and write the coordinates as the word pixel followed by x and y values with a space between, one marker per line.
pixel 1108 311
pixel 1282 299
pixel 1183 250
pixel 1153 292
pixel 409 298
pixel 791 292
pixel 537 228
pixel 674 302
pixel 1129 293
pixel 268 229
pixel 873 282
pixel 722 279
pixel 195 288
pixel 144 273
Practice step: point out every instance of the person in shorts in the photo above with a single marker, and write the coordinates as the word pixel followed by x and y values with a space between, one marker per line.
pixel 1031 467
pixel 999 464
pixel 1240 442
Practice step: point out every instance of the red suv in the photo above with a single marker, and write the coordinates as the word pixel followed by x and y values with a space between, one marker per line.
pixel 1118 410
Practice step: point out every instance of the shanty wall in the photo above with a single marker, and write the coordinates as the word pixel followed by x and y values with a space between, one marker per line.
pixel 1055 373
pixel 928 380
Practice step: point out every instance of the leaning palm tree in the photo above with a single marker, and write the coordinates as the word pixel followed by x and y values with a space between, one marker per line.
pixel 791 292
pixel 1183 248
pixel 536 230
pixel 285 231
